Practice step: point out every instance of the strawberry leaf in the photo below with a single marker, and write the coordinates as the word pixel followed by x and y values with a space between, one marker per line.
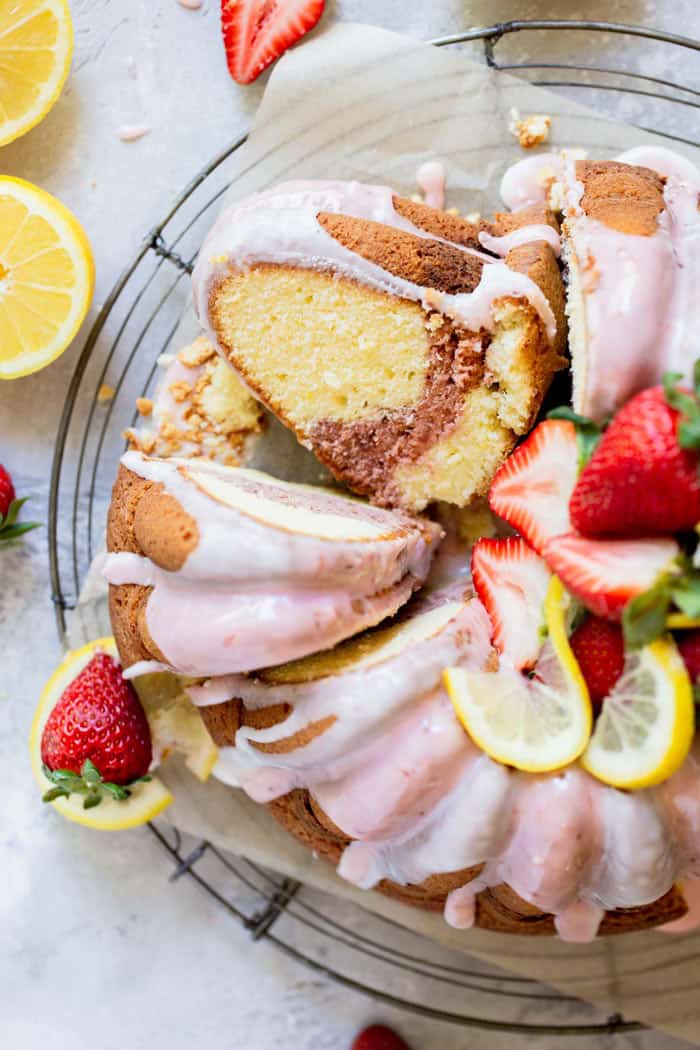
pixel 588 433
pixel 686 595
pixel 88 783
pixel 644 617
pixel 687 404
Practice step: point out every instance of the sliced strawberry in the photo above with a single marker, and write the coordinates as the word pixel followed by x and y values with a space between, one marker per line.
pixel 256 32
pixel 606 574
pixel 642 479
pixel 599 648
pixel 511 581
pixel 532 489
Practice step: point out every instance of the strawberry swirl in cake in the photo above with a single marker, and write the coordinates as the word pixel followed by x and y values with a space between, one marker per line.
pixel 504 733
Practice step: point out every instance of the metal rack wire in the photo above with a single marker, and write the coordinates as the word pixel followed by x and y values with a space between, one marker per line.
pixel 135 324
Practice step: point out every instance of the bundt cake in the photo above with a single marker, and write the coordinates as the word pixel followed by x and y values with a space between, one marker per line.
pixel 409 349
pixel 216 569
pixel 200 408
pixel 407 357
pixel 394 792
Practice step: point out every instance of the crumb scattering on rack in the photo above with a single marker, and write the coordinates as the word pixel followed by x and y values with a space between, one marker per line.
pixel 144 406
pixel 105 393
pixel 531 130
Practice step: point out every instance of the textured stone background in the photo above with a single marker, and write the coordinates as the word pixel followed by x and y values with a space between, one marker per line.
pixel 94 945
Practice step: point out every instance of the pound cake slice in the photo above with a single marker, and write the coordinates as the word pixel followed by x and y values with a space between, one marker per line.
pixel 216 569
pixel 403 354
pixel 359 754
pixel 631 240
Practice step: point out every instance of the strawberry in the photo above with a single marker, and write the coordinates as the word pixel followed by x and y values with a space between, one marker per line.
pixel 606 574
pixel 10 507
pixel 256 32
pixel 511 581
pixel 531 491
pixel 599 648
pixel 688 643
pixel 378 1037
pixel 642 479
pixel 96 740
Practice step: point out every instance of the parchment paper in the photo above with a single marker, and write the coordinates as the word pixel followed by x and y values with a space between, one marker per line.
pixel 358 102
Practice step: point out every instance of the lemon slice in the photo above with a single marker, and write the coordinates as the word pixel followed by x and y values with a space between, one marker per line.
pixel 148 799
pixel 646 726
pixel 47 277
pixel 176 724
pixel 36 45
pixel 535 724
pixel 680 622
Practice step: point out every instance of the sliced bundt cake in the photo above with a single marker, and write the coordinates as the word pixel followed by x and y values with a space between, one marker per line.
pixel 215 569
pixel 403 354
pixel 631 236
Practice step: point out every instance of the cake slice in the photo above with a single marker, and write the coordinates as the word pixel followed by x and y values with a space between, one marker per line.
pixel 200 408
pixel 216 569
pixel 403 354
pixel 631 237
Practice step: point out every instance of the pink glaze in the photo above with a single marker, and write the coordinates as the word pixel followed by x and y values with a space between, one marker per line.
pixel 280 226
pixel 253 593
pixel 133 132
pixel 522 235
pixel 191 5
pixel 525 182
pixel 431 179
pixel 639 293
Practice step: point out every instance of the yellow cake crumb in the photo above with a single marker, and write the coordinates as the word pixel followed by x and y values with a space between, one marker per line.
pixel 531 130
pixel 105 393
pixel 144 406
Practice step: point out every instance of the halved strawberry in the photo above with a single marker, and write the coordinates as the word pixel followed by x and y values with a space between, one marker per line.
pixel 606 574
pixel 532 489
pixel 256 32
pixel 511 581
pixel 688 643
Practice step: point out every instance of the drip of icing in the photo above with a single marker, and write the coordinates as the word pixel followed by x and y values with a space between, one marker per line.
pixel 526 182
pixel 144 667
pixel 522 235
pixel 431 179
pixel 191 5
pixel 253 592
pixel 133 132
pixel 280 226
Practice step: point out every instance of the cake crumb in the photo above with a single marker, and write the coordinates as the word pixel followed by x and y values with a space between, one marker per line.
pixel 473 216
pixel 105 393
pixel 144 406
pixel 180 391
pixel 530 131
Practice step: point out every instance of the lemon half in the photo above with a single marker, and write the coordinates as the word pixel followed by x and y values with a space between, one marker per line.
pixel 646 726
pixel 36 46
pixel 535 724
pixel 148 799
pixel 47 277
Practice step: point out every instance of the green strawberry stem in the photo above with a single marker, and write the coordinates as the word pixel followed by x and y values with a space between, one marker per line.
pixel 644 617
pixel 88 783
pixel 588 433
pixel 687 404
pixel 10 528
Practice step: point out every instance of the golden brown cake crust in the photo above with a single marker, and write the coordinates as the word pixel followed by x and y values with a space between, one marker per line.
pixel 498 908
pixel 441 223
pixel 625 197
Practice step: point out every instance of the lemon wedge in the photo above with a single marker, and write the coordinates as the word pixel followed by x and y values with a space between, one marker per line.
pixel 36 45
pixel 148 799
pixel 646 725
pixel 175 722
pixel 537 723
pixel 47 277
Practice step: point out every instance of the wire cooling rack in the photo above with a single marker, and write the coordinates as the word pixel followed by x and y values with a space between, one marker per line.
pixel 136 323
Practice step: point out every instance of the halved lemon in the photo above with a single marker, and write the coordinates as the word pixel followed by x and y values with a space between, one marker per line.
pixel 47 277
pixel 646 726
pixel 36 46
pixel 148 799
pixel 537 723
pixel 175 722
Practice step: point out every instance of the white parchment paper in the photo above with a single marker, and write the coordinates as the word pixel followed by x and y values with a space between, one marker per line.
pixel 359 102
